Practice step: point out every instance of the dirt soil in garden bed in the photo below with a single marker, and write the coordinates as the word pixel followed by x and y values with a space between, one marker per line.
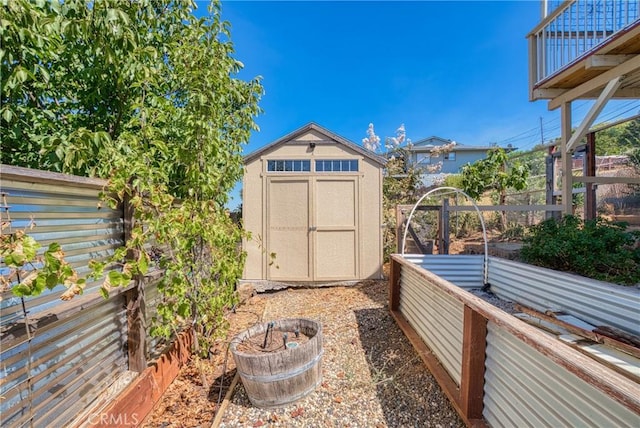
pixel 193 398
pixel 372 376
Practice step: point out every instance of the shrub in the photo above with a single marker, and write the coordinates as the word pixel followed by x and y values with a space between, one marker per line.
pixel 598 249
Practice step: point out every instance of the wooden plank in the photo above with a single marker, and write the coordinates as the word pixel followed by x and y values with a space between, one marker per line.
pixel 137 401
pixel 394 285
pixel 621 362
pixel 605 61
pixel 474 344
pixel 137 326
pixel 608 180
pixel 589 334
pixel 443 378
pixel 566 159
pixel 617 334
pixel 595 83
pixel 606 94
pixel 550 327
pixel 225 403
pixel 522 208
pixel 633 220
pixel 29 175
pixel 137 330
pixel 590 171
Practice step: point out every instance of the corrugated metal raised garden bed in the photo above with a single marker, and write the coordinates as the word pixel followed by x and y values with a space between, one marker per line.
pixel 500 370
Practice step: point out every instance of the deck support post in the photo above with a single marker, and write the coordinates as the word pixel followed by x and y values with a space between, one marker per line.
pixel 590 171
pixel 567 164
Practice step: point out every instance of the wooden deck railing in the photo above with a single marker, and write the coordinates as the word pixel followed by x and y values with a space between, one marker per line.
pixel 573 30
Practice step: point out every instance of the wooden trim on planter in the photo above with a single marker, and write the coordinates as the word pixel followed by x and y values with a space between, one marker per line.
pixel 470 418
pixel 137 400
pixel 474 344
pixel 394 284
pixel 431 361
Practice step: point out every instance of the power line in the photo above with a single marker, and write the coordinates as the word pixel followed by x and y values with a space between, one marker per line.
pixel 535 131
pixel 532 140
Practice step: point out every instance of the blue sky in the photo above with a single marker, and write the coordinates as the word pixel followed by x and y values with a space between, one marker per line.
pixel 454 69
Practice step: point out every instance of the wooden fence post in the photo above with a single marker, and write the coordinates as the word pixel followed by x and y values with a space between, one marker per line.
pixel 550 198
pixel 135 303
pixel 443 245
pixel 590 171
pixel 400 219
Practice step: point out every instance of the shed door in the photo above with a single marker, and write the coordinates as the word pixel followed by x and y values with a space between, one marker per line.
pixel 312 226
pixel 288 202
pixel 336 221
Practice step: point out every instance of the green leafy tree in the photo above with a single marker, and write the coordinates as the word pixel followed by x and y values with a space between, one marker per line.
pixel 145 95
pixel 609 141
pixel 494 173
pixel 618 139
pixel 631 134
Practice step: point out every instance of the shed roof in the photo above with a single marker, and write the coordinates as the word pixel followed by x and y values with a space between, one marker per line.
pixel 330 136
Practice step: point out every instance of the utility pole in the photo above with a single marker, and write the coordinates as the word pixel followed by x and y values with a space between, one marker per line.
pixel 541 132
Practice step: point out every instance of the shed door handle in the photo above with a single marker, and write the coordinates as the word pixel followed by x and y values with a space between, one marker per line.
pixel 313 228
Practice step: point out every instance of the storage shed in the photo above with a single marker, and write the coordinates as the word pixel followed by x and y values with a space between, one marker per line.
pixel 312 201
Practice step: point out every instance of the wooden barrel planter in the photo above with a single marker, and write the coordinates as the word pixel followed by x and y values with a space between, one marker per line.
pixel 279 362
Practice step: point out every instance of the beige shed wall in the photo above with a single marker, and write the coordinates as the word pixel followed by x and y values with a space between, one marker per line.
pixel 369 202
pixel 252 220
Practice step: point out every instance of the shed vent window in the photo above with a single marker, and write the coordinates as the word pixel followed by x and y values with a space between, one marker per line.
pixel 289 165
pixel 337 165
pixel 450 156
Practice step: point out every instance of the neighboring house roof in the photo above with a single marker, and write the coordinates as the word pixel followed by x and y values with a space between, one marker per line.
pixel 427 144
pixel 330 136
pixel 431 141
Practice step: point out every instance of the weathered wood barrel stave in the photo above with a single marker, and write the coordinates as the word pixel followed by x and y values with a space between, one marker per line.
pixel 275 379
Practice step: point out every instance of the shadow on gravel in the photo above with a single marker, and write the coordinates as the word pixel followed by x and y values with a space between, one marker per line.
pixel 407 392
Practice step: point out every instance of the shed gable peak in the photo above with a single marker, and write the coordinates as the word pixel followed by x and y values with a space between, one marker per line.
pixel 313 133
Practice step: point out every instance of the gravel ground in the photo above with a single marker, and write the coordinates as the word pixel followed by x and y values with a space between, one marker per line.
pixel 372 376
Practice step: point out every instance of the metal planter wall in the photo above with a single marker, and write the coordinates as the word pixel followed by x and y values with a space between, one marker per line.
pixel 524 388
pixel 543 289
pixel 440 329
pixel 465 271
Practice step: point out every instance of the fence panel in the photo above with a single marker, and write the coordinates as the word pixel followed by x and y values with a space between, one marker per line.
pixel 67 364
pixel 74 350
pixel 67 210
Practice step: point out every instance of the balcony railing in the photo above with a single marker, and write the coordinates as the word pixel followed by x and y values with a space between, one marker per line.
pixel 575 28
